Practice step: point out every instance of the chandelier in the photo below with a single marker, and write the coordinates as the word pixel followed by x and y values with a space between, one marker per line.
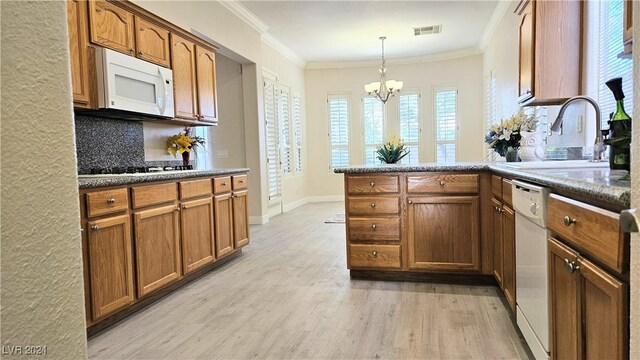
pixel 383 89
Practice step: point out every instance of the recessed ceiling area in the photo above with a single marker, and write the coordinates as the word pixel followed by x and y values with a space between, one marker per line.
pixel 323 31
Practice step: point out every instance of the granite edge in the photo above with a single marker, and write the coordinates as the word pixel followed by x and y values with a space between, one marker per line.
pixel 88 183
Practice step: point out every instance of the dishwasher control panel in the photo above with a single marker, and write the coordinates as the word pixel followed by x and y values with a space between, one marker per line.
pixel 530 200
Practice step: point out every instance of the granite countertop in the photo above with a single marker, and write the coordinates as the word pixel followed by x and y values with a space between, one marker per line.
pixel 97 181
pixel 598 183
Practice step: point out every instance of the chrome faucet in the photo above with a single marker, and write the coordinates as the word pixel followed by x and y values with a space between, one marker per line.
pixel 598 147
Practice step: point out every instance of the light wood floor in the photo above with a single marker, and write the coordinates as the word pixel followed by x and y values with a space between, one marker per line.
pixel 290 296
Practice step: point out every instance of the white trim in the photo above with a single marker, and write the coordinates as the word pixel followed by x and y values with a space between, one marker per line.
pixel 258 220
pixel 492 25
pixel 292 205
pixel 245 15
pixel 448 55
pixel 283 49
pixel 326 198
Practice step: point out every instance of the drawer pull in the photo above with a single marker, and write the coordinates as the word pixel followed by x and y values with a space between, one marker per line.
pixel 374 253
pixel 410 202
pixel 373 205
pixel 224 184
pixel 178 208
pixel 373 226
pixel 185 207
pixel 111 200
pixel 95 228
pixel 241 181
pixel 372 184
pixel 568 221
pixel 571 266
pixel 441 183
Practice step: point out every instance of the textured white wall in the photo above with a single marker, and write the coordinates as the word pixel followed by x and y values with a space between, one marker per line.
pixel 42 289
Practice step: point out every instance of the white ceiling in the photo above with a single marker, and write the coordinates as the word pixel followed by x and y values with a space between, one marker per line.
pixel 324 31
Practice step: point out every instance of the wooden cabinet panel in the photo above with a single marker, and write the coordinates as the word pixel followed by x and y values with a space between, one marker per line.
pixel 496 186
pixel 563 303
pixel 498 249
pixel 443 233
pixel 374 256
pixel 507 196
pixel 195 188
pixel 196 225
pixel 509 256
pixel 443 183
pixel 111 26
pixel 206 82
pixel 374 229
pixel 107 202
pixel 152 42
pixel 110 265
pixel 153 194
pixel 183 64
pixel 222 184
pixel 594 230
pixel 157 240
pixel 627 36
pixel 373 205
pixel 78 51
pixel 526 30
pixel 239 182
pixel 223 223
pixel 373 184
pixel 240 219
pixel 603 301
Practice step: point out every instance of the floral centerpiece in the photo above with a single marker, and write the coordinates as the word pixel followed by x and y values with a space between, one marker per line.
pixel 505 137
pixel 184 142
pixel 392 151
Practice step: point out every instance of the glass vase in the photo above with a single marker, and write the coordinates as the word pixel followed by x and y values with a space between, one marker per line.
pixel 512 155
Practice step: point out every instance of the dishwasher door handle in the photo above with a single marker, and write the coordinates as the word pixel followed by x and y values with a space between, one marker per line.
pixel 629 221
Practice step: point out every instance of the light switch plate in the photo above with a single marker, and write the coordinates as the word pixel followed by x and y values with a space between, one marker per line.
pixel 222 154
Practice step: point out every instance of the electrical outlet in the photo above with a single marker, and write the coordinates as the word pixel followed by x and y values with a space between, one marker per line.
pixel 222 154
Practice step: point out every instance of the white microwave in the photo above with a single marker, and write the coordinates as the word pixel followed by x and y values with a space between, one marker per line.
pixel 130 84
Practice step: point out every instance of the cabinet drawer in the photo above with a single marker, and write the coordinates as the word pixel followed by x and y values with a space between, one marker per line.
pixel 374 228
pixel 373 205
pixel 195 188
pixel 239 182
pixel 443 183
pixel 374 256
pixel 507 197
pixel 154 194
pixel 222 184
pixel 496 186
pixel 594 230
pixel 373 184
pixel 107 202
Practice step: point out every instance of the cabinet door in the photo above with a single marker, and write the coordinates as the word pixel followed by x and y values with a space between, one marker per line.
pixel 157 239
pixel 240 219
pixel 496 228
pixel 509 255
pixel 563 302
pixel 152 42
pixel 197 234
pixel 603 301
pixel 183 63
pixel 206 75
pixel 111 26
pixel 443 233
pixel 223 215
pixel 78 51
pixel 110 265
pixel 627 20
pixel 526 35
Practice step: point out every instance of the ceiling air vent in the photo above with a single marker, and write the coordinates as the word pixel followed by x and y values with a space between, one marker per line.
pixel 426 30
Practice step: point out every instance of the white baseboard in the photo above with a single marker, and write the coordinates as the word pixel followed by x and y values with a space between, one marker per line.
pixel 273 211
pixel 258 220
pixel 290 206
pixel 327 198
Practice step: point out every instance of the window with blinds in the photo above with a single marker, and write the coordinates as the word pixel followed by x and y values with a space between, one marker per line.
pixel 373 112
pixel 297 132
pixel 272 139
pixel 285 130
pixel 609 30
pixel 338 130
pixel 491 109
pixel 445 107
pixel 409 118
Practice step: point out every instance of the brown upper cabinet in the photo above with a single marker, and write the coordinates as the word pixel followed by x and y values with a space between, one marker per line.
pixel 206 75
pixel 111 26
pixel 627 35
pixel 550 51
pixel 184 77
pixel 152 42
pixel 79 52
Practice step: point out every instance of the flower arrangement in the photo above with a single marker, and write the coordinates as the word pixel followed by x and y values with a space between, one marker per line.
pixel 392 151
pixel 183 143
pixel 507 135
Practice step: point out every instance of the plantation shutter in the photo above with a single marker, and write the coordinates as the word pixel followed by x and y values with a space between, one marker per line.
pixel 445 105
pixel 408 108
pixel 491 109
pixel 297 132
pixel 339 130
pixel 272 141
pixel 373 111
pixel 285 130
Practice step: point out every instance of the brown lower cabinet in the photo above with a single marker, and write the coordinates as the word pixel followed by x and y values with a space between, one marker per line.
pixel 503 223
pixel 223 209
pixel 589 316
pixel 498 249
pixel 240 219
pixel 196 225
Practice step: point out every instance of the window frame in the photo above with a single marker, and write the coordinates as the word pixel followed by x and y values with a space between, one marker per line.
pixel 417 143
pixel 435 90
pixel 330 146
pixel 297 124
pixel 362 123
pixel 285 140
pixel 270 78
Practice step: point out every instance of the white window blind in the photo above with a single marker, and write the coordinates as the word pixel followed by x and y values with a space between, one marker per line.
pixel 445 105
pixel 408 114
pixel 339 130
pixel 491 109
pixel 272 141
pixel 373 111
pixel 285 130
pixel 297 132
pixel 609 65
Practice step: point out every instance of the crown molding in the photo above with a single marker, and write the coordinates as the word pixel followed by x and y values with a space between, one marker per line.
pixel 448 55
pixel 245 14
pixel 283 50
pixel 494 22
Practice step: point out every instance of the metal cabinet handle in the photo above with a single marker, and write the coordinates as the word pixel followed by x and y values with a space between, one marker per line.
pixel 95 228
pixel 629 221
pixel 185 207
pixel 132 50
pixel 441 183
pixel 178 208
pixel 568 221
pixel 372 184
pixel 373 205
pixel 224 184
pixel 410 202
pixel 241 181
pixel 111 200
pixel 571 266
pixel 140 53
pixel 374 253
pixel 373 226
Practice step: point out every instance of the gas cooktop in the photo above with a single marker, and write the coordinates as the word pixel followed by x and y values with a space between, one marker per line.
pixel 135 171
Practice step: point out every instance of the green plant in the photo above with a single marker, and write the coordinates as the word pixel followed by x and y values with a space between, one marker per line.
pixel 392 151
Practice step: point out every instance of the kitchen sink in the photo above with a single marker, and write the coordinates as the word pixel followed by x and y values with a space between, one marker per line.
pixel 564 164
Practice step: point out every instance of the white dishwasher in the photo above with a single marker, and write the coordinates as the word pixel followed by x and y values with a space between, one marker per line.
pixel 532 308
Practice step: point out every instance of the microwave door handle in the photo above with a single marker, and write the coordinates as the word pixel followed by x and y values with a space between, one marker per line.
pixel 164 92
